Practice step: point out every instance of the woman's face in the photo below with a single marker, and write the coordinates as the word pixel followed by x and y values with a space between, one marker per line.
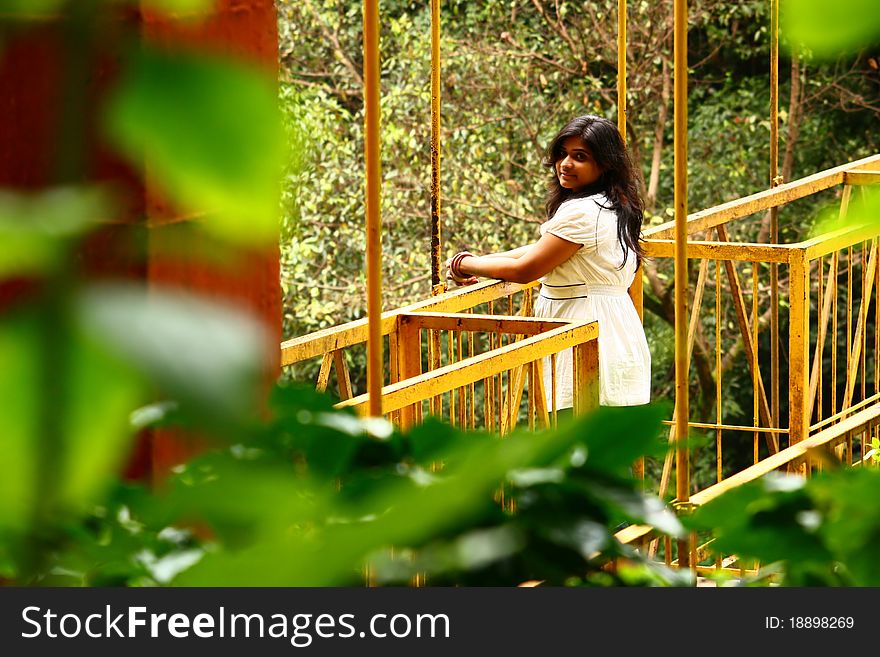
pixel 576 167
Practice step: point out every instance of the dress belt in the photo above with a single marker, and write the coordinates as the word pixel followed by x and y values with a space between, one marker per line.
pixel 581 290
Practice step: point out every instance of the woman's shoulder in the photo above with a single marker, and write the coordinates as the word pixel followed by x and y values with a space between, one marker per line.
pixel 584 207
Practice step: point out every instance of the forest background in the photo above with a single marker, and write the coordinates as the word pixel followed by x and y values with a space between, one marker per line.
pixel 513 72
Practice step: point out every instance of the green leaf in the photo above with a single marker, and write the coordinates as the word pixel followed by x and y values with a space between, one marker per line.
pixel 35 228
pixel 635 505
pixel 19 390
pixel 764 520
pixel 209 130
pixel 830 29
pixel 616 436
pixel 71 460
pixel 207 354
pixel 29 8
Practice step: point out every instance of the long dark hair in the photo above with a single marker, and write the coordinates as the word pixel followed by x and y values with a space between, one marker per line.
pixel 618 180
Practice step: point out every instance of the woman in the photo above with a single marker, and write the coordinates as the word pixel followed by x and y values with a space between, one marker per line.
pixel 586 258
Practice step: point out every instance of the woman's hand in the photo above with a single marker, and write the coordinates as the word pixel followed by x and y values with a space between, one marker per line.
pixel 458 280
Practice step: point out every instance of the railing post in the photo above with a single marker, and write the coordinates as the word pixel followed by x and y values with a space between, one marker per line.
pixel 409 364
pixel 798 348
pixel 586 366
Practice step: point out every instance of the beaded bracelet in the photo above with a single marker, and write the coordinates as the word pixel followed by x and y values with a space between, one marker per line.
pixel 455 264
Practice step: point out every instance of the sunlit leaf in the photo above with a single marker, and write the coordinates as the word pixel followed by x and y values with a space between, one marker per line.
pixel 206 353
pixel 71 459
pixel 829 29
pixel 102 391
pixel 616 436
pixel 209 130
pixel 19 390
pixel 640 508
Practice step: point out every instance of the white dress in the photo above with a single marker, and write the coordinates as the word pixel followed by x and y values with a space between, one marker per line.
pixel 591 285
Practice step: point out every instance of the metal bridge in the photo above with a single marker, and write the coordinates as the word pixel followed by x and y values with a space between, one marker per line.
pixel 473 356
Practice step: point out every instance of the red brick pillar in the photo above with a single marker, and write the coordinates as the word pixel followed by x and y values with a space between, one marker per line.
pixel 32 121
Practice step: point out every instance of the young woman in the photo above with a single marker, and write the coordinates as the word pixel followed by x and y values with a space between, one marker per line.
pixel 586 258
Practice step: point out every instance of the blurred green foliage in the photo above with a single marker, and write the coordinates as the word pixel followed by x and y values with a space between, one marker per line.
pixel 831 28
pixel 818 532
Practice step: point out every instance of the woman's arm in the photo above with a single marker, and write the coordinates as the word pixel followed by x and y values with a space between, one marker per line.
pixel 514 253
pixel 530 263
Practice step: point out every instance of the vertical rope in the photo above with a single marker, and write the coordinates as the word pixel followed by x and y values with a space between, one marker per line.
pixel 621 68
pixel 682 460
pixel 774 212
pixel 437 284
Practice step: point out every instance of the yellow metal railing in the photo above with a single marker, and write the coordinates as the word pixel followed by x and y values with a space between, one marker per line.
pixel 805 456
pixel 489 363
pixel 453 357
pixel 807 274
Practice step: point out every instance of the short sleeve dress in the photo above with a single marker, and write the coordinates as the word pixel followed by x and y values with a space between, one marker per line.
pixel 592 285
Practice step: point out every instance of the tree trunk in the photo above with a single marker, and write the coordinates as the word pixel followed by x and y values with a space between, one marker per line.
pixel 659 130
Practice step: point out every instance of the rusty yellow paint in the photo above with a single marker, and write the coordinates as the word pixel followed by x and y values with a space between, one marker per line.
pixel 741 251
pixel 373 211
pixel 634 533
pixel 793 455
pixel 483 323
pixel 692 333
pixel 417 387
pixel 748 344
pixel 324 372
pixel 785 193
pixel 343 378
pixel 586 368
pixel 838 240
pixel 436 403
pixel 798 349
pixel 636 293
pixel 543 417
pixel 410 366
pixel 816 370
pixel 346 335
pixel 510 406
pixel 846 412
pixel 729 427
pixel 437 283
pixel 865 177
pixel 860 327
pixel 680 227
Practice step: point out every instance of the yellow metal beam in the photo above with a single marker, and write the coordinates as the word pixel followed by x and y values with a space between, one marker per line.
pixel 483 323
pixel 682 463
pixel 373 204
pixel 352 333
pixel 837 240
pixel 798 349
pixel 741 251
pixel 793 455
pixel 416 388
pixel 862 177
pixel 743 207
pixel 775 181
